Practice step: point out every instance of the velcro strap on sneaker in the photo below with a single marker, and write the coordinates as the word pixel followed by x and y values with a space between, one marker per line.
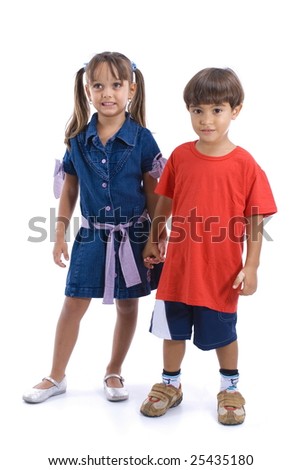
pixel 230 399
pixel 164 392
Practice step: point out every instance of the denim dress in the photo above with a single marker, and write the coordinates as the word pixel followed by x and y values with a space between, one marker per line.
pixel 106 259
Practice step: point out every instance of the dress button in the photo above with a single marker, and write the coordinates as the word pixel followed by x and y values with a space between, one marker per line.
pixel 108 208
pixel 104 160
pixel 104 185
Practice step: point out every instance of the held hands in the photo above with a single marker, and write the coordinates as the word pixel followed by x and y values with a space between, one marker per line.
pixel 246 281
pixel 60 248
pixel 154 253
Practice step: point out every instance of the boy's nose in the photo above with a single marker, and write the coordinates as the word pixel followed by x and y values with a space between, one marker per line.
pixel 205 118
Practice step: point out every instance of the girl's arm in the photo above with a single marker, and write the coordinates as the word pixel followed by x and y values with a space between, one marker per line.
pixel 154 250
pixel 67 204
pixel 150 184
pixel 248 275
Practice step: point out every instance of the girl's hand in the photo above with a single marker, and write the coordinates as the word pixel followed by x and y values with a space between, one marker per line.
pixel 246 281
pixel 154 253
pixel 60 248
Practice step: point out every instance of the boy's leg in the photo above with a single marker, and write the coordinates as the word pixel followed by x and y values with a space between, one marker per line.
pixel 126 320
pixel 167 394
pixel 228 356
pixel 230 401
pixel 173 354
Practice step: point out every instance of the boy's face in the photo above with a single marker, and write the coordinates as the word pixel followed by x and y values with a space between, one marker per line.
pixel 211 122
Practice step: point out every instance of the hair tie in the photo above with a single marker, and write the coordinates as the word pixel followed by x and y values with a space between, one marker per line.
pixel 133 65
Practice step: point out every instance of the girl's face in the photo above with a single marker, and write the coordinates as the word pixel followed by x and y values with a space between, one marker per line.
pixel 211 122
pixel 109 95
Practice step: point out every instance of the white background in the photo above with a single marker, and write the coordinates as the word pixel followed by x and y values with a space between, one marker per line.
pixel 43 44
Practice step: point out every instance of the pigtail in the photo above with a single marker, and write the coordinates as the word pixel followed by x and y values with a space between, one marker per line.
pixel 81 112
pixel 137 107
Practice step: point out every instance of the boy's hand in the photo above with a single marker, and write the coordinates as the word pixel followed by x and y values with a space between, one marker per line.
pixel 154 253
pixel 246 281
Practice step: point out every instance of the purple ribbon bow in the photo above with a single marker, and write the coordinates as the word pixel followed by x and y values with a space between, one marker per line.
pixel 59 176
pixel 127 260
pixel 158 165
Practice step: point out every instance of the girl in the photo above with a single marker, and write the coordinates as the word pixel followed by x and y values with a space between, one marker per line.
pixel 114 161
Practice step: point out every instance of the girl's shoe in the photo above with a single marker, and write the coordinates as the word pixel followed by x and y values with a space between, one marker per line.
pixel 230 407
pixel 160 399
pixel 115 393
pixel 38 395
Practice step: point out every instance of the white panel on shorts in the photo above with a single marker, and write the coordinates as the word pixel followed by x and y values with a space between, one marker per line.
pixel 159 324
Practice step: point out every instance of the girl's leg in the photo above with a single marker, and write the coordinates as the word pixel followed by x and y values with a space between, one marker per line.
pixel 66 336
pixel 124 330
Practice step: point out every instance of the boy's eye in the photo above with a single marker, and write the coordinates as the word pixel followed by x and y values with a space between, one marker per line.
pixel 217 110
pixel 196 111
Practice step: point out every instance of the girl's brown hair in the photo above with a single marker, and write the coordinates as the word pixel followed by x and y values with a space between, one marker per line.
pixel 122 69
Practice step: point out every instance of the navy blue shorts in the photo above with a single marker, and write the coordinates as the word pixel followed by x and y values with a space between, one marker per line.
pixel 175 320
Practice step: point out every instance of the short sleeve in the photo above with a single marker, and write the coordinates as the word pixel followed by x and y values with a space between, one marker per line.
pixel 62 167
pixel 150 151
pixel 166 183
pixel 158 166
pixel 68 166
pixel 260 198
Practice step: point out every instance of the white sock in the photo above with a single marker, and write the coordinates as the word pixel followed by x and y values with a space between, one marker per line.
pixel 171 378
pixel 229 382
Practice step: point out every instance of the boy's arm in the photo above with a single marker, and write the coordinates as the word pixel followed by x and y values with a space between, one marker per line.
pixel 154 250
pixel 247 278
pixel 67 204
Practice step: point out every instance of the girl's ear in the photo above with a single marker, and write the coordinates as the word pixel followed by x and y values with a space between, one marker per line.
pixel 132 90
pixel 236 111
pixel 87 92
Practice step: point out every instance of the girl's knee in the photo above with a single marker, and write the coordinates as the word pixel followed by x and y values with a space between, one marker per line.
pixel 75 306
pixel 127 306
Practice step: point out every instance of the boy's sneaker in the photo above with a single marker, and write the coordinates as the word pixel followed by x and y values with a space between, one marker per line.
pixel 160 399
pixel 230 407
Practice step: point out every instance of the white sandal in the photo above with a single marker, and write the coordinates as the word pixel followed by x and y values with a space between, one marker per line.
pixel 114 393
pixel 38 395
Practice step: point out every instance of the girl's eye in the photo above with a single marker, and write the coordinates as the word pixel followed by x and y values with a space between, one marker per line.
pixel 97 86
pixel 117 85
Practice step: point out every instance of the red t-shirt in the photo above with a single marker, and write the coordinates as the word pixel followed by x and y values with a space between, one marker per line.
pixel 212 196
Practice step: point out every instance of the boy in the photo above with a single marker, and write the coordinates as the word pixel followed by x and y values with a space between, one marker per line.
pixel 218 196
